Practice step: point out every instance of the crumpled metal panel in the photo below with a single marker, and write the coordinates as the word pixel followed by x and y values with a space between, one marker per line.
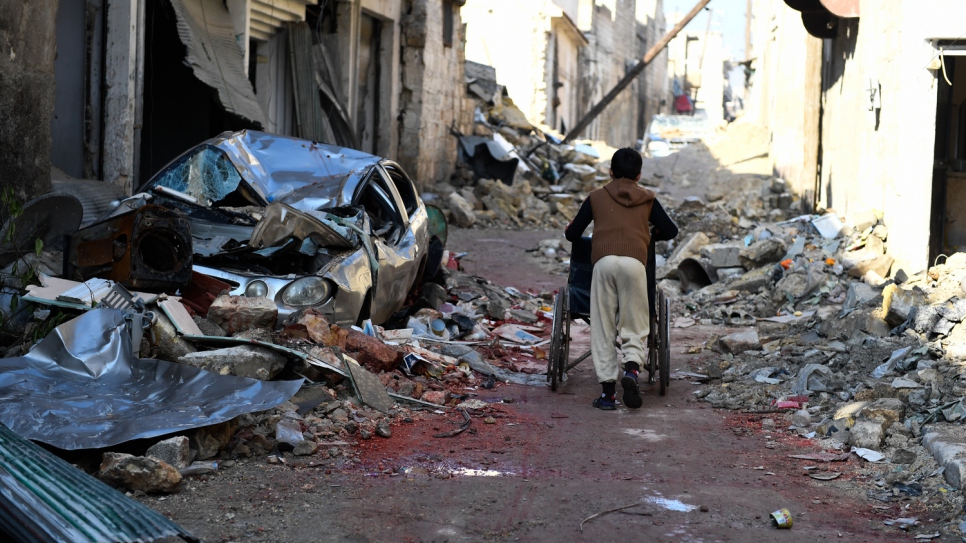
pixel 313 170
pixel 81 388
pixel 281 222
pixel 43 499
pixel 206 29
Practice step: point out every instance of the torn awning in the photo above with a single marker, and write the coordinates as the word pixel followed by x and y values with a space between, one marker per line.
pixel 206 29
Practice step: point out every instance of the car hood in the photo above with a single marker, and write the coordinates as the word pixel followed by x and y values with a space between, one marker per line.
pixel 279 168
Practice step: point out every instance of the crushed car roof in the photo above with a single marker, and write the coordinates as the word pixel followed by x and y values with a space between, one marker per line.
pixel 269 162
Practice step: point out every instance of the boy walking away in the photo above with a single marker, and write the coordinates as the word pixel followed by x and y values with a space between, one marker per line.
pixel 623 213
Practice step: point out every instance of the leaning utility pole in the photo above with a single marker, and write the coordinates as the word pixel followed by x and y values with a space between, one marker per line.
pixel 633 73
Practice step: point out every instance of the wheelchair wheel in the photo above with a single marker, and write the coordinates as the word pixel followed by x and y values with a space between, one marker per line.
pixel 565 355
pixel 664 341
pixel 559 338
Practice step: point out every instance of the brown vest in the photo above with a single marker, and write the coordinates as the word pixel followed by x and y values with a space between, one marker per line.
pixel 621 228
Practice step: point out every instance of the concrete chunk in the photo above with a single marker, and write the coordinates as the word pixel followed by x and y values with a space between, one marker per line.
pixel 722 255
pixel 880 265
pixel 947 444
pixel 239 313
pixel 867 434
pixel 242 360
pixel 463 212
pixel 901 306
pixel 142 473
pixel 762 252
pixel 689 248
pixel 174 451
pixel 740 342
pixel 885 411
pixel 859 294
pixel 753 280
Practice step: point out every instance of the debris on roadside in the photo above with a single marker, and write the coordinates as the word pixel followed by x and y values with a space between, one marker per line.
pixel 224 315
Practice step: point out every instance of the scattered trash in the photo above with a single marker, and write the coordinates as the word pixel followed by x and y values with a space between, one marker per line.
pixel 466 424
pixel 781 519
pixel 868 454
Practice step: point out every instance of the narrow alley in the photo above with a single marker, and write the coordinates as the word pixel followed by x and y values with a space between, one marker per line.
pixel 482 270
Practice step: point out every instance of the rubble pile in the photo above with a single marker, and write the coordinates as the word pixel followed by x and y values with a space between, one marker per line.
pixel 514 174
pixel 459 334
pixel 252 320
pixel 833 337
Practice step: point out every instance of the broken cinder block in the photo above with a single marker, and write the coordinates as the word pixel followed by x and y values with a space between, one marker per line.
pixel 722 255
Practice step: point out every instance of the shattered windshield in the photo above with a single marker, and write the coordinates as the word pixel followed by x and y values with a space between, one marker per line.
pixel 206 175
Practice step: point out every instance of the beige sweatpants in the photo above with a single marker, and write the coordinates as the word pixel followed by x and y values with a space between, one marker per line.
pixel 618 304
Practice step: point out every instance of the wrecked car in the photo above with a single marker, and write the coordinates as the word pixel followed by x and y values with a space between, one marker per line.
pixel 302 223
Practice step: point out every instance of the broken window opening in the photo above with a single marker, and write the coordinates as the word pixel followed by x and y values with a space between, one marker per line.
pixel 405 189
pixel 378 202
pixel 209 177
pixel 447 23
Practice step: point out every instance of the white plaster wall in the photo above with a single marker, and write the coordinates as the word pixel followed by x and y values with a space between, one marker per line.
pixel 711 63
pixel 889 167
pixel 512 37
pixel 570 7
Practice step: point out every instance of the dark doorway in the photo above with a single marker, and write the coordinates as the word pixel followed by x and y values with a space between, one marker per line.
pixel 179 110
pixel 370 69
pixel 948 217
pixel 67 124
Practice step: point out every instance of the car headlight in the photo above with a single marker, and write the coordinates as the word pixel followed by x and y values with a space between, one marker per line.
pixel 307 291
pixel 256 289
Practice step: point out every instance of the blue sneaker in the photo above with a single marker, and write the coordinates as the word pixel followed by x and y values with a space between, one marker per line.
pixel 606 404
pixel 632 394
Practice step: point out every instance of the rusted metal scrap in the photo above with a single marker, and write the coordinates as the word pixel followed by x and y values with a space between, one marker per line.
pixel 146 249
pixel 466 424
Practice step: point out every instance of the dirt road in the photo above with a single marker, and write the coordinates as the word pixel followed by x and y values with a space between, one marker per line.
pixel 547 462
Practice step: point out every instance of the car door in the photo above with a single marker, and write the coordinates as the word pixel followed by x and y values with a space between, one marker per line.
pixel 418 219
pixel 393 242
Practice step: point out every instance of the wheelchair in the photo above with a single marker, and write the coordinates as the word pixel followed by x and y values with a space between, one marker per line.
pixel 572 302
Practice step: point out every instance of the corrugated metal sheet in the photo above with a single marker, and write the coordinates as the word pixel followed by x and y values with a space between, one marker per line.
pixel 308 109
pixel 45 499
pixel 206 29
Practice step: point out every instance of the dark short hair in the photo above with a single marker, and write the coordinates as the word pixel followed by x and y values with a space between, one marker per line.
pixel 626 163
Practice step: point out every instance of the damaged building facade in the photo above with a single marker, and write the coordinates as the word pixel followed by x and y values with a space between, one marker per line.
pixel 572 53
pixel 877 104
pixel 139 82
